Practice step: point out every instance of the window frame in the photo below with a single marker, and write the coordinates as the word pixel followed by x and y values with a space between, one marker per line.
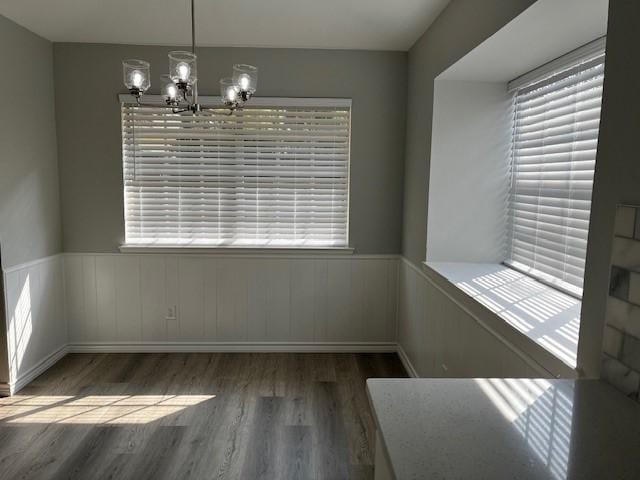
pixel 537 78
pixel 215 102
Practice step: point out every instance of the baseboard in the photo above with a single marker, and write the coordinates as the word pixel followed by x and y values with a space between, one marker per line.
pixel 189 347
pixel 408 366
pixel 38 369
pixel 186 347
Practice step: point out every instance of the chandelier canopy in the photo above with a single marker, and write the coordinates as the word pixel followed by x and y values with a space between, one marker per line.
pixel 179 87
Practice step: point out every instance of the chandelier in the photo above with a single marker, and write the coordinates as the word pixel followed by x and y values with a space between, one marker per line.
pixel 180 87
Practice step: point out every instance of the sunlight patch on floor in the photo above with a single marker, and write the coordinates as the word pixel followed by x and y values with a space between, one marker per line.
pixel 95 409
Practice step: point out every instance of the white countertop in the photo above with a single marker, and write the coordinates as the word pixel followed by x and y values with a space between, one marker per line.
pixel 506 429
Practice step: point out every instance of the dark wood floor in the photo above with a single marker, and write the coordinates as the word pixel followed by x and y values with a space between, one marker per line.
pixel 186 416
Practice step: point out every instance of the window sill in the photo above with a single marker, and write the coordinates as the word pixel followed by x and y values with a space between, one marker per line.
pixel 546 316
pixel 222 251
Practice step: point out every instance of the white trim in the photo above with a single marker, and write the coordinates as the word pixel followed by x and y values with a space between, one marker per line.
pixel 398 300
pixel 226 251
pixel 349 190
pixel 298 102
pixel 291 255
pixel 31 263
pixel 216 102
pixel 237 347
pixel 38 369
pixel 5 388
pixel 406 362
pixel 581 54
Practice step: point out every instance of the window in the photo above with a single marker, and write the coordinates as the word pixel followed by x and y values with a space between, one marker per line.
pixel 555 135
pixel 275 174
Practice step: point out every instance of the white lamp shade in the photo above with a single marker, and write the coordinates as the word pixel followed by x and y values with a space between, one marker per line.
pixel 169 88
pixel 245 77
pixel 136 74
pixel 183 67
pixel 228 91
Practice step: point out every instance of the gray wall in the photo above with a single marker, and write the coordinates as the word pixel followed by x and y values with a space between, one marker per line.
pixel 462 26
pixel 90 144
pixel 29 196
pixel 617 178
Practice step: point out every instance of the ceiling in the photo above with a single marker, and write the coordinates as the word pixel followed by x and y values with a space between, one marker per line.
pixel 335 24
pixel 544 31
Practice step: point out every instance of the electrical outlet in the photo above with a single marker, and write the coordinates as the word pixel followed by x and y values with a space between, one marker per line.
pixel 172 312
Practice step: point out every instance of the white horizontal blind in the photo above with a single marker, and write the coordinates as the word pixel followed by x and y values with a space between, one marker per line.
pixel 555 137
pixel 264 176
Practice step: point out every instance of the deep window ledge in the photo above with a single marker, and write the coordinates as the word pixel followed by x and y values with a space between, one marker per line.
pixel 543 314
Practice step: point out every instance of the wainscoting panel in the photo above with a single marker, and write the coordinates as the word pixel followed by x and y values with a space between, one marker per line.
pixel 36 327
pixel 440 339
pixel 171 302
pixel 173 299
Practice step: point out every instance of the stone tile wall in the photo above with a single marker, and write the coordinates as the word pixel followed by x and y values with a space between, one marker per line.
pixel 621 344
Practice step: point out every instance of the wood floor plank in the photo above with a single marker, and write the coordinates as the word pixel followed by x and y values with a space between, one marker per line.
pixel 86 460
pixel 298 407
pixel 199 454
pixel 158 455
pixel 261 459
pixel 296 453
pixel 224 416
pixel 331 454
pixel 356 414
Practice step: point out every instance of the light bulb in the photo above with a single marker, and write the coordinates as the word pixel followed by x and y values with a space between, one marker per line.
pixel 244 81
pixel 231 94
pixel 172 91
pixel 183 71
pixel 137 78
